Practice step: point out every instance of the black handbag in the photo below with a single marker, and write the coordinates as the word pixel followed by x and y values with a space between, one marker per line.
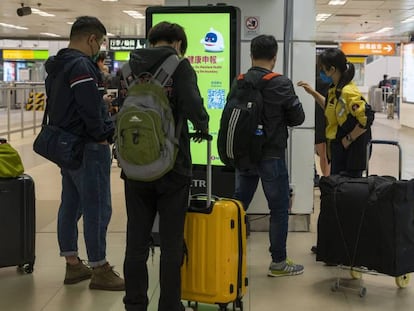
pixel 58 145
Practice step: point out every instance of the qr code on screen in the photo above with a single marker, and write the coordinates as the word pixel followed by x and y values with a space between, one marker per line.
pixel 216 98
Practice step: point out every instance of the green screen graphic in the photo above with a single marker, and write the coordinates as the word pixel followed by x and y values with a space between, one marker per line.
pixel 208 51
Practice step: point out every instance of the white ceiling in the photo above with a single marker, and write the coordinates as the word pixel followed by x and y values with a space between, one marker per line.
pixel 347 22
pixel 363 18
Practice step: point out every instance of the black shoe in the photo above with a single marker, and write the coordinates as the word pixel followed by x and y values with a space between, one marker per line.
pixel 314 249
pixel 316 181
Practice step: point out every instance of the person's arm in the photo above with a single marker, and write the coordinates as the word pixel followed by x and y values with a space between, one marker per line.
pixel 188 96
pixel 286 96
pixel 357 108
pixel 319 98
pixel 352 136
pixel 90 103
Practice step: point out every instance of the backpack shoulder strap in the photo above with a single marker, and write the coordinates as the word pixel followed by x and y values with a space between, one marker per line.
pixel 161 75
pixel 127 75
pixel 166 69
pixel 266 78
pixel 270 76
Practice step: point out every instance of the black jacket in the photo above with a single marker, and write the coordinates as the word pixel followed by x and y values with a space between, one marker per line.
pixel 184 96
pixel 281 108
pixel 74 90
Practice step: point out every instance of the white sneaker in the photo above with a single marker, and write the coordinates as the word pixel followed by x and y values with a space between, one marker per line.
pixel 188 309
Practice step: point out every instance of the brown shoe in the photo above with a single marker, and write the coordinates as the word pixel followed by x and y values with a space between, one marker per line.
pixel 105 278
pixel 76 273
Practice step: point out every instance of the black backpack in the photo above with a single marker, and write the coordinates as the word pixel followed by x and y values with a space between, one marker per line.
pixel 241 135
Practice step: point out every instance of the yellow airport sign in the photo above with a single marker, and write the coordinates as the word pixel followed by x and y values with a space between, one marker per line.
pixel 368 48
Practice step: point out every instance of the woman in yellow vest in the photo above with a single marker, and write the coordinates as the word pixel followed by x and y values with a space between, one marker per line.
pixel 348 116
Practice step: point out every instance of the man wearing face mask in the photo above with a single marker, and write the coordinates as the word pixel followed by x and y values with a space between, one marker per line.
pixel 74 89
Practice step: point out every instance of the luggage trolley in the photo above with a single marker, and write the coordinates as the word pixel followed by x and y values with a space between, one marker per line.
pixel 346 247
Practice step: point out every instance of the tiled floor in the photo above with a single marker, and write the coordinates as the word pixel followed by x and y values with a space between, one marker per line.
pixel 44 289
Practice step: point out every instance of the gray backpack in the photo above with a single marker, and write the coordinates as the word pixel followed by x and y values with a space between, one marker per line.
pixel 146 134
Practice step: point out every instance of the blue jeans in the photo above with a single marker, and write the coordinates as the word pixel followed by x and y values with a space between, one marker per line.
pixel 86 192
pixel 274 176
pixel 169 197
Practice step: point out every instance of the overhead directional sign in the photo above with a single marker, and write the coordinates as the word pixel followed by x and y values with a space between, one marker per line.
pixel 368 48
pixel 125 44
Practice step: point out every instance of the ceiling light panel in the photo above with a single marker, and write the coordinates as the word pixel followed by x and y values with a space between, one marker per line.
pixel 134 14
pixel 50 34
pixel 322 17
pixel 337 2
pixel 13 26
pixel 41 13
pixel 385 29
pixel 408 20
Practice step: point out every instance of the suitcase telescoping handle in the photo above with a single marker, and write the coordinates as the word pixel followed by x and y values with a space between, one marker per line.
pixel 208 138
pixel 385 142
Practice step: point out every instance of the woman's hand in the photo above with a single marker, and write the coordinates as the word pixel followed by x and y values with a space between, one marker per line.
pixel 319 98
pixel 346 142
pixel 307 87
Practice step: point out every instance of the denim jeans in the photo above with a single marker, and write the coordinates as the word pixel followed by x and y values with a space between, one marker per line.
pixel 86 192
pixel 169 197
pixel 275 182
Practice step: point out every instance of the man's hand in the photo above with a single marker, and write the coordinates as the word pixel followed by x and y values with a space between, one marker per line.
pixel 108 98
pixel 198 136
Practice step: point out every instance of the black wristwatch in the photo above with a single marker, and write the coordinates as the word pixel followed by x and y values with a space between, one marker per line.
pixel 349 138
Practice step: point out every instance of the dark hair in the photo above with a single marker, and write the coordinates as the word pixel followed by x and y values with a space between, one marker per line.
pixel 87 25
pixel 336 58
pixel 169 32
pixel 263 47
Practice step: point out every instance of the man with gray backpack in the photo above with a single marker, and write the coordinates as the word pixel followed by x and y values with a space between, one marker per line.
pixel 162 96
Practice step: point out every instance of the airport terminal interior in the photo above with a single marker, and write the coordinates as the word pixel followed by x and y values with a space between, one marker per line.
pixel 315 290
pixel 43 290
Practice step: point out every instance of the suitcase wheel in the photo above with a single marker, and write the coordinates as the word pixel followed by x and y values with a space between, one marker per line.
pixel 362 292
pixel 402 281
pixel 238 304
pixel 335 286
pixel 26 268
pixel 223 306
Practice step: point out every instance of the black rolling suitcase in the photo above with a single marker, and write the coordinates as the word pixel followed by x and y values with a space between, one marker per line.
pixel 17 222
pixel 367 222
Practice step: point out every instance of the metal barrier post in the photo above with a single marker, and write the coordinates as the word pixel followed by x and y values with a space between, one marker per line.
pixel 19 121
pixel 21 114
pixel 8 113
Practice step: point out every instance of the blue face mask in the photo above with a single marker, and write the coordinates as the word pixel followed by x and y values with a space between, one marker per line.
pixel 325 78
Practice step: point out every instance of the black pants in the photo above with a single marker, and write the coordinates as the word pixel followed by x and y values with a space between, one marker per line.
pixel 169 196
pixel 340 159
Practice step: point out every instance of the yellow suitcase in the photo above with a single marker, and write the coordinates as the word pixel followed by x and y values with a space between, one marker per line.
pixel 214 269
